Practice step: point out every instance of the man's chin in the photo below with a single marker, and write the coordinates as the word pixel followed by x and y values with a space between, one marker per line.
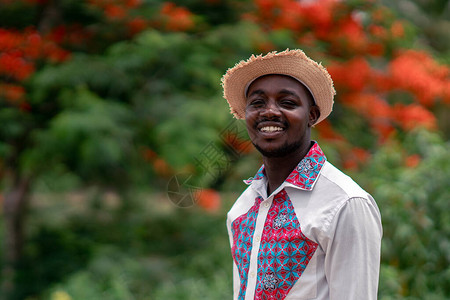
pixel 281 151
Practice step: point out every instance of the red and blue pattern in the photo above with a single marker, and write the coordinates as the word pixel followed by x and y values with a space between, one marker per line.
pixel 284 252
pixel 243 229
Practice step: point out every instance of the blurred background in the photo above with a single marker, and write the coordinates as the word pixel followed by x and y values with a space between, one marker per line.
pixel 119 158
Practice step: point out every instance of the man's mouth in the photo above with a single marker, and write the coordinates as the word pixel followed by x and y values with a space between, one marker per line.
pixel 271 129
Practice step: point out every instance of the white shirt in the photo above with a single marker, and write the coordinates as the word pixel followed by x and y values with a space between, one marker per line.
pixel 317 236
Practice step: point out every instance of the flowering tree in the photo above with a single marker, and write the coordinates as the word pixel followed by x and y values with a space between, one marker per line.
pixel 111 90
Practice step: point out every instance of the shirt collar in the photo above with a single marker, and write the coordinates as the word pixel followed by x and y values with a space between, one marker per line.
pixel 305 173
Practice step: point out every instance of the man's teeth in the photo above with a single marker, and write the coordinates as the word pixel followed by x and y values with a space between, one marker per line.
pixel 271 129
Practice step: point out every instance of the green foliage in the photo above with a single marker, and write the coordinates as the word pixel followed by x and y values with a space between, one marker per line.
pixel 138 253
pixel 91 137
pixel 91 117
pixel 416 217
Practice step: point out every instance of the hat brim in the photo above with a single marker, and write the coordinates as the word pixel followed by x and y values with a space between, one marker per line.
pixel 292 63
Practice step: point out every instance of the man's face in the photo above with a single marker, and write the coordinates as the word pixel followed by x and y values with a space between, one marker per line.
pixel 279 115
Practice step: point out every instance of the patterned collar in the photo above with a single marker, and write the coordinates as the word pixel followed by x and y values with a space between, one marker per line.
pixel 305 173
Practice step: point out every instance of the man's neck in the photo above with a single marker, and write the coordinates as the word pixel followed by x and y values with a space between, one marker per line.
pixel 277 169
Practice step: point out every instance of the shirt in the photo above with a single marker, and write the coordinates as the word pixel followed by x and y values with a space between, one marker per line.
pixel 317 236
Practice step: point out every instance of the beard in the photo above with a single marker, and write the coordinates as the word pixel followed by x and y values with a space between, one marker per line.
pixel 282 151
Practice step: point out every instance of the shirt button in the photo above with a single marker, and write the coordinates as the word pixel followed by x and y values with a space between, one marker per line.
pixel 258 239
pixel 252 274
pixel 266 205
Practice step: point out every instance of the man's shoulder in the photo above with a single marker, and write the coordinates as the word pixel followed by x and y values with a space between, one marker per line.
pixel 242 203
pixel 332 178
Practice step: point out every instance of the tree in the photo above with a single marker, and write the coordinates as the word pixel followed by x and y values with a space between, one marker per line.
pixel 111 90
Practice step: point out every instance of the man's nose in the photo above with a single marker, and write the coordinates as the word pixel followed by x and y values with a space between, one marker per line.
pixel 271 110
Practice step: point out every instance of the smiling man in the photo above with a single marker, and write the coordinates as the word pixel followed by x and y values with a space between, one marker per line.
pixel 302 229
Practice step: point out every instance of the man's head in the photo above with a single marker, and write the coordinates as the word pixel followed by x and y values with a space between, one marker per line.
pixel 279 114
pixel 281 96
pixel 293 63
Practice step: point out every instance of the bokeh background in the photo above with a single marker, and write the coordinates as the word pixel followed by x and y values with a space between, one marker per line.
pixel 119 158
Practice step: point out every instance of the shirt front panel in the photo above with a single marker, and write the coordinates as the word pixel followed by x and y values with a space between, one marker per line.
pixel 243 229
pixel 284 251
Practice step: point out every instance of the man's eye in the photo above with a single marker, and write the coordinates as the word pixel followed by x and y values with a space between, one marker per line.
pixel 289 103
pixel 257 102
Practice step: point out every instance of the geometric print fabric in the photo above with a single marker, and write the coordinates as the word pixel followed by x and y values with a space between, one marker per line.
pixel 243 229
pixel 284 251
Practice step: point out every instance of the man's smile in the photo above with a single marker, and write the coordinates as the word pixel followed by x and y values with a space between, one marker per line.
pixel 270 126
pixel 271 129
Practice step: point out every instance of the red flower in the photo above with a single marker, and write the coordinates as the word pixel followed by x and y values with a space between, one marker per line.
pixel 413 116
pixel 12 92
pixel 375 49
pixel 176 18
pixel 355 158
pixel 326 132
pixel 412 161
pixel 136 25
pixel 133 3
pixel 9 40
pixel 419 74
pixel 378 31
pixel 397 30
pixel 352 75
pixel 14 65
pixel 115 12
pixel 349 36
pixel 208 199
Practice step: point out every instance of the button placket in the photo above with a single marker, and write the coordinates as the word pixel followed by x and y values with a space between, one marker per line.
pixel 257 237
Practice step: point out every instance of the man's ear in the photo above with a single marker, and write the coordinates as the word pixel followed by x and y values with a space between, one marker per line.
pixel 314 114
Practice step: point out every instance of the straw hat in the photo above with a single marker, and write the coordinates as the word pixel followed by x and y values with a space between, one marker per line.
pixel 292 63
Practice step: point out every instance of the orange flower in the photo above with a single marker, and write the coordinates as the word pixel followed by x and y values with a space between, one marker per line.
pixel 418 73
pixel 319 14
pixel 378 31
pixel 208 199
pixel 375 49
pixel 148 154
pixel 133 3
pixel 349 36
pixel 352 75
pixel 9 40
pixel 413 116
pixel 355 158
pixel 412 161
pixel 115 12
pixel 382 82
pixel 136 25
pixel 176 18
pixel 384 129
pixel 264 47
pixel 397 29
pixel 326 132
pixel 12 92
pixel 161 167
pixel 14 65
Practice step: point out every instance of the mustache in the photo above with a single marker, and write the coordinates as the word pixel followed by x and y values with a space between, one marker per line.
pixel 272 119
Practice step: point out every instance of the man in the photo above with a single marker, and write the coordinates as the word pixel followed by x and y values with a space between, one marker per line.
pixel 302 229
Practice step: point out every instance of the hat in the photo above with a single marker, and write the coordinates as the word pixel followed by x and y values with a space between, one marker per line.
pixel 293 63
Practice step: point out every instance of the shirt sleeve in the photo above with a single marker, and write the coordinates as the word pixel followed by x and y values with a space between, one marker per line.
pixel 352 258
